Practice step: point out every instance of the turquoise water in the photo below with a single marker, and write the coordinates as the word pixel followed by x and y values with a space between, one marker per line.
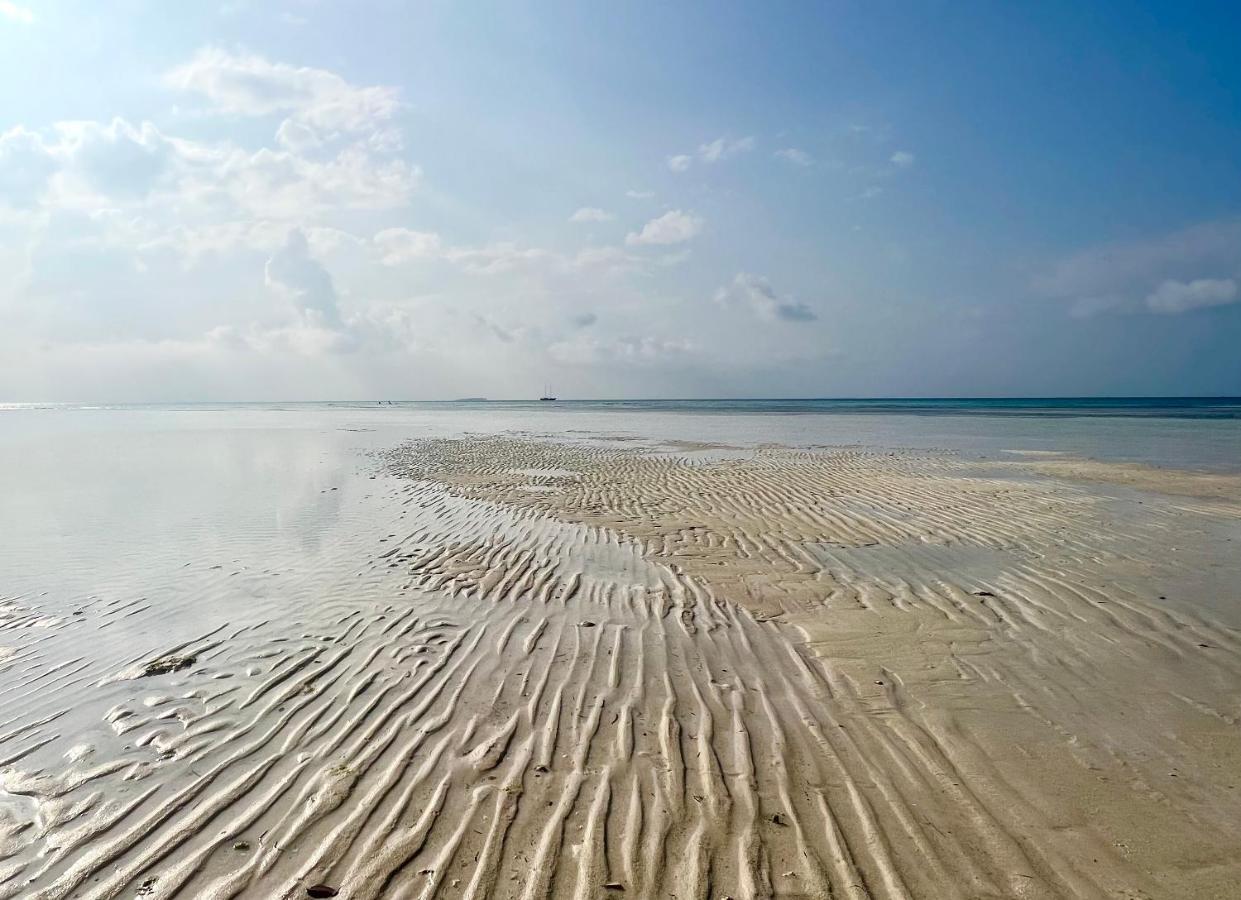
pixel 1157 407
pixel 1196 433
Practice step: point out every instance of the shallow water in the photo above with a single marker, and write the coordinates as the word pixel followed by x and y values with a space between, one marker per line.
pixel 1202 434
pixel 111 496
pixel 160 503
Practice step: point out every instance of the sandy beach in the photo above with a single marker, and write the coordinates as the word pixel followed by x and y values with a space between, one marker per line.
pixel 620 451
pixel 602 665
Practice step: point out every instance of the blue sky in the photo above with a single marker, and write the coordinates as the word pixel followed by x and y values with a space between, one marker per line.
pixel 309 199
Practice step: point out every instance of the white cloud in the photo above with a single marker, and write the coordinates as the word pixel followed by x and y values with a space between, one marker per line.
pixel 399 245
pixel 320 102
pixel 639 195
pixel 279 184
pixel 294 274
pixel 94 165
pixel 591 214
pixel 297 137
pixel 603 260
pixel 673 227
pixel 795 156
pixel 117 159
pixel 87 164
pixel 723 148
pixel 1173 297
pixel 902 159
pixel 756 293
pixel 26 164
pixel 15 13
pixel 680 162
pixel 497 258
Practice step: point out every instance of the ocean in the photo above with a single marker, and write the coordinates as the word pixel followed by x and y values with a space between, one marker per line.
pixel 1194 433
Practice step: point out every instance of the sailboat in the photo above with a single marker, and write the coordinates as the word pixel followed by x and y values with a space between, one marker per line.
pixel 547 394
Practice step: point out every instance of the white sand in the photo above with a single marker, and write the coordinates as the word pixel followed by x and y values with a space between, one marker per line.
pixel 694 673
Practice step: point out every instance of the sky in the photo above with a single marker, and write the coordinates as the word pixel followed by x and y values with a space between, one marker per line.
pixel 308 199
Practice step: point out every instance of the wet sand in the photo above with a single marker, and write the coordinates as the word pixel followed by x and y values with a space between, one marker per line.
pixel 597 668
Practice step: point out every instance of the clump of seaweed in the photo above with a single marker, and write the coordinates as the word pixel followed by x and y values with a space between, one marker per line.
pixel 166 664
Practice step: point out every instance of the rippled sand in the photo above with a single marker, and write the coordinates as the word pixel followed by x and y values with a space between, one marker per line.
pixel 547 669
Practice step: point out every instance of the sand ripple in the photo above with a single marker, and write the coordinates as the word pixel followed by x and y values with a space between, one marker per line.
pixel 819 673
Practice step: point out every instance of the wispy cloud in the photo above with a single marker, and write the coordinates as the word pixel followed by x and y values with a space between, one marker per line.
pixel 631 350
pixel 723 148
pixel 902 159
pixel 1173 297
pixel 756 293
pixel 15 13
pixel 720 149
pixel 1139 264
pixel 1191 268
pixel 795 156
pixel 591 214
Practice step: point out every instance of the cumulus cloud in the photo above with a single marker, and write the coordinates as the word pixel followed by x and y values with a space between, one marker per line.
pixel 795 156
pixel 400 245
pixel 103 165
pixel 680 162
pixel 279 184
pixel 1172 297
pixel 673 227
pixel 295 275
pixel 902 159
pixel 316 101
pixel 756 293
pixel 85 160
pixel 591 214
pixel 26 164
pixel 117 158
pixel 297 137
